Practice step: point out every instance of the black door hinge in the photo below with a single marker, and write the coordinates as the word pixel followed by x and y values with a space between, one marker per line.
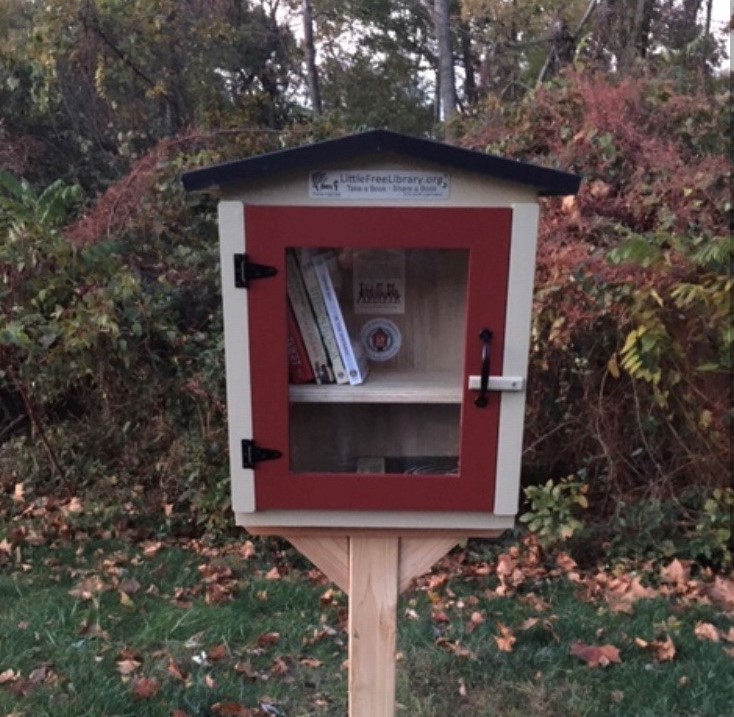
pixel 246 271
pixel 251 454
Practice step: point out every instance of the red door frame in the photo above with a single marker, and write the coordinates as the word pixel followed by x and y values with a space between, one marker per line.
pixel 270 230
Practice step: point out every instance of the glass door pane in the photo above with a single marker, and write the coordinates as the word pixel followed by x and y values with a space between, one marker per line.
pixel 376 350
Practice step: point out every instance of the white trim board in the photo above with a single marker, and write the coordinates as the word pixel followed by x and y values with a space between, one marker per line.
pixel 236 354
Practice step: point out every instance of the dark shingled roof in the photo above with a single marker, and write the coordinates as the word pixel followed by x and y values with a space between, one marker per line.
pixel 548 182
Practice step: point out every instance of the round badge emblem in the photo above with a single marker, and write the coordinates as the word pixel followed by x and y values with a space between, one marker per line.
pixel 381 339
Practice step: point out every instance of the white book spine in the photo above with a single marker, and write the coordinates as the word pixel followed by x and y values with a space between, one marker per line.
pixel 305 259
pixel 357 371
pixel 305 319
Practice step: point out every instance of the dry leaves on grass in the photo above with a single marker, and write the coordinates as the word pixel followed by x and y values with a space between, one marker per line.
pixel 706 631
pixel 22 686
pixel 506 639
pixel 596 655
pixel 455 648
pixel 662 650
pixel 144 688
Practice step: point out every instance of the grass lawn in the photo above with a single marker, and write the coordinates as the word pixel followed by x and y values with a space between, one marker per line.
pixel 112 628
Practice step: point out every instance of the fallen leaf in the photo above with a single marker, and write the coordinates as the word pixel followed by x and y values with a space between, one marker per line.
pixel 144 687
pixel 509 574
pixel 9 676
pixel 565 562
pixel 73 506
pixel 535 602
pixel 219 652
pixel 88 588
pixel 721 592
pixel 455 648
pixel 596 655
pixel 329 597
pixel 474 621
pixel 280 666
pixel 175 671
pixel 180 713
pixel 217 594
pixel 247 550
pixel 151 547
pixel 6 550
pixel 506 639
pixel 127 667
pixel 267 639
pixel 210 682
pixel 311 662
pixel 706 631
pixel 19 493
pixel 663 650
pixel 273 574
pixel 676 573
pixel 245 668
pixel 529 623
pixel 130 586
pixel 93 631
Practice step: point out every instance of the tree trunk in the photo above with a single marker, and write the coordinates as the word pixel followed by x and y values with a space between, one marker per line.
pixel 445 58
pixel 469 61
pixel 309 48
pixel 707 28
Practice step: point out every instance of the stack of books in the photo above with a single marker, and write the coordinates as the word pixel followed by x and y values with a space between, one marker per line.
pixel 319 346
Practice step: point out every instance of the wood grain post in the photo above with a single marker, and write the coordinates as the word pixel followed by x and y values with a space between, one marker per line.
pixel 373 598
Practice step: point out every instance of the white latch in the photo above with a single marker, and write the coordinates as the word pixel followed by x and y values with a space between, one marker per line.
pixel 498 383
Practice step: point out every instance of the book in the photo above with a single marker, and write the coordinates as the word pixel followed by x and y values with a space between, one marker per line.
pixel 306 322
pixel 299 364
pixel 355 361
pixel 313 289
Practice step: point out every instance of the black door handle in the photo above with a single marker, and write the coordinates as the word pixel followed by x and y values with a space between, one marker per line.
pixel 486 337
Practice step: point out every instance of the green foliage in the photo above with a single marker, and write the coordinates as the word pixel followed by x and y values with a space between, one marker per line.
pixel 85 327
pixel 712 537
pixel 695 526
pixel 553 509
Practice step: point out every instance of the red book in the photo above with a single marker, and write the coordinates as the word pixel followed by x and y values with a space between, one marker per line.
pixel 299 366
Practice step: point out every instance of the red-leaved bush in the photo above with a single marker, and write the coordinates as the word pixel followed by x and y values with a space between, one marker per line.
pixel 630 360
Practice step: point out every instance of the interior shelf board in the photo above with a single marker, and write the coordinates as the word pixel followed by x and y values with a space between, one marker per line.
pixel 397 387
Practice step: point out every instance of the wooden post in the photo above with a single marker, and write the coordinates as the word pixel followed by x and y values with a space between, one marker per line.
pixel 373 567
pixel 373 598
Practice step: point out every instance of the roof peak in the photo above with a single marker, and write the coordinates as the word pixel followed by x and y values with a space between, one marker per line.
pixel 546 181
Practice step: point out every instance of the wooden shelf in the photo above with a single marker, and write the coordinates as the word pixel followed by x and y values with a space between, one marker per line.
pixel 392 387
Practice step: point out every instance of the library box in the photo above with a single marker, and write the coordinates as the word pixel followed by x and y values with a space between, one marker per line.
pixel 377 292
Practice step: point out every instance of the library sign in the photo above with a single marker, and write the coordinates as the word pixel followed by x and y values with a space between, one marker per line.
pixel 378 184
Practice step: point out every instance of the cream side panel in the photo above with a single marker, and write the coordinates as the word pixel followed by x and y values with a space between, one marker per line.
pixel 236 354
pixel 515 359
